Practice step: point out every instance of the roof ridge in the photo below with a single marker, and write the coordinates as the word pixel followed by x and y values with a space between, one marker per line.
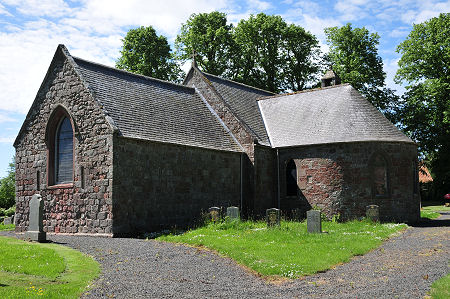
pixel 134 74
pixel 238 83
pixel 303 91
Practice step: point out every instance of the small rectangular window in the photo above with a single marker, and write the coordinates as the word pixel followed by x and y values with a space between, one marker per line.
pixel 82 177
pixel 38 180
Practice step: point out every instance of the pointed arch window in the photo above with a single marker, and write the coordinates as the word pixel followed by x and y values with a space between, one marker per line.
pixel 60 140
pixel 291 178
pixel 64 152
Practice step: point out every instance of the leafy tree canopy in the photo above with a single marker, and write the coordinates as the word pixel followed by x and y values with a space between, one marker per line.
pixel 425 107
pixel 262 51
pixel 274 55
pixel 8 187
pixel 208 36
pixel 354 57
pixel 144 52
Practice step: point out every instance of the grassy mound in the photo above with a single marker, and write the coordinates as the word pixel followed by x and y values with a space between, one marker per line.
pixel 31 270
pixel 288 251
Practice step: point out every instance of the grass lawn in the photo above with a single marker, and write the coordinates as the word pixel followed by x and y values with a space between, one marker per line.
pixel 288 251
pixel 440 289
pixel 7 226
pixel 431 212
pixel 29 270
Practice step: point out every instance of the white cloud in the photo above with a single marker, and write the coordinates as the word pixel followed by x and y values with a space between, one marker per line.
pixel 51 8
pixel 259 5
pixel 351 10
pixel 9 140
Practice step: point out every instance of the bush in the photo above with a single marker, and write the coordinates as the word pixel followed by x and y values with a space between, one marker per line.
pixel 7 188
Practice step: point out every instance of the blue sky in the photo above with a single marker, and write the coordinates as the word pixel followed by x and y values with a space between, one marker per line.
pixel 30 31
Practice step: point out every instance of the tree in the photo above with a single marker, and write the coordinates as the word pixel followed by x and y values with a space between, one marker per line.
pixel 210 38
pixel 8 187
pixel 354 57
pixel 144 52
pixel 273 55
pixel 425 107
pixel 302 58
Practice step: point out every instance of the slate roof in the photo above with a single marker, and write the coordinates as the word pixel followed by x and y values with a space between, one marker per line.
pixel 151 109
pixel 328 115
pixel 242 100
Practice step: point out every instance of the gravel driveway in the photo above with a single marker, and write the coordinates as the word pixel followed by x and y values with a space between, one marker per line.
pixel 403 267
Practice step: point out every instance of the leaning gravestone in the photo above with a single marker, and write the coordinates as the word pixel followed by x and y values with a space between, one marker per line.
pixel 373 213
pixel 313 221
pixel 233 213
pixel 35 227
pixel 273 217
pixel 214 213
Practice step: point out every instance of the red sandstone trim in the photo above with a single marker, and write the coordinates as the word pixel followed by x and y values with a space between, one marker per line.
pixel 60 186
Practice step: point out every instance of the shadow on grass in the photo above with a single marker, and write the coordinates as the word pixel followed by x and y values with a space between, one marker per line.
pixel 439 222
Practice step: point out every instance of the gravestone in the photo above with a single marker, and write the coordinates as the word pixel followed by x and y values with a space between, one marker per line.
pixel 373 213
pixel 273 217
pixel 214 213
pixel 233 213
pixel 35 227
pixel 313 221
pixel 8 220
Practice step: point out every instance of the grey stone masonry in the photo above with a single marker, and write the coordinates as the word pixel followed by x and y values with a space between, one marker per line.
pixel 35 228
pixel 373 213
pixel 233 213
pixel 273 217
pixel 214 213
pixel 313 221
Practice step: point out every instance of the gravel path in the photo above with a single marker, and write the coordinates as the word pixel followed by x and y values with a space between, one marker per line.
pixel 403 267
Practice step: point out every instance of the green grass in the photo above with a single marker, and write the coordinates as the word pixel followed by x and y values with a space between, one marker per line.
pixel 31 270
pixel 437 208
pixel 431 212
pixel 288 251
pixel 440 289
pixel 7 226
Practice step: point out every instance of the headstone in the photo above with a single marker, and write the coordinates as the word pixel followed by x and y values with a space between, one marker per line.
pixel 273 217
pixel 8 220
pixel 35 227
pixel 233 213
pixel 214 213
pixel 373 213
pixel 313 221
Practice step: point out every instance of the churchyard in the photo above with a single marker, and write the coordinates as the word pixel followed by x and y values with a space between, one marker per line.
pixel 275 249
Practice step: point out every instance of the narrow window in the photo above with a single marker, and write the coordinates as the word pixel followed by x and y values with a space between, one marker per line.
pixel 38 180
pixel 415 177
pixel 64 152
pixel 82 177
pixel 291 179
pixel 380 185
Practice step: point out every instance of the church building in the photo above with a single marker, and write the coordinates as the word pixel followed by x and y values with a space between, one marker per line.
pixel 116 153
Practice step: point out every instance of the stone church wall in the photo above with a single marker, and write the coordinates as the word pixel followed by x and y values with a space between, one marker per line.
pixel 85 205
pixel 265 180
pixel 338 179
pixel 160 185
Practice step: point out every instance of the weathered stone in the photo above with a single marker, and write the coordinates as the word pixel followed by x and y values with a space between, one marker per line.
pixel 35 227
pixel 8 220
pixel 214 213
pixel 273 217
pixel 373 213
pixel 233 213
pixel 314 221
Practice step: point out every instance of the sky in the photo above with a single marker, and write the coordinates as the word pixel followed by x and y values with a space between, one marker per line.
pixel 30 31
